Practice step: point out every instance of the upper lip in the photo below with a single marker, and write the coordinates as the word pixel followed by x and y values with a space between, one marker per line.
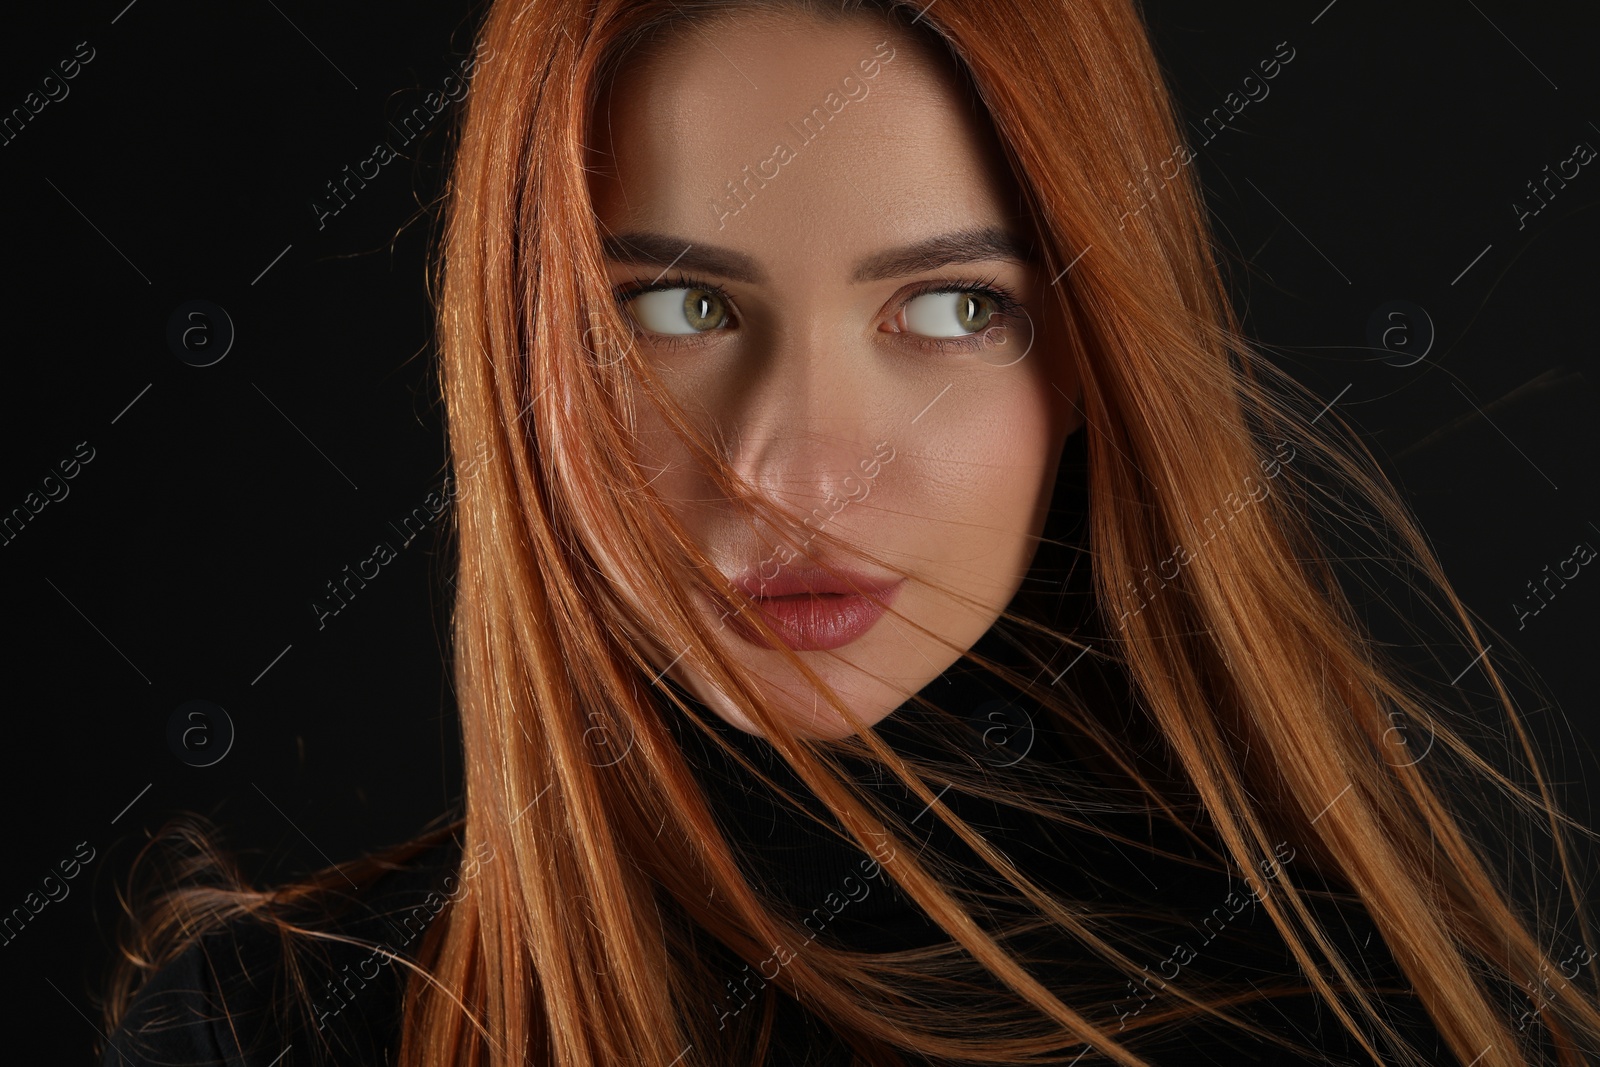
pixel 796 578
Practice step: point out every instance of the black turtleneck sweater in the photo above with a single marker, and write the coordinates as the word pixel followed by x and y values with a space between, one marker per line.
pixel 1197 922
pixel 211 1006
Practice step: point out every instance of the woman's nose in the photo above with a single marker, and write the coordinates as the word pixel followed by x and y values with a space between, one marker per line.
pixel 805 420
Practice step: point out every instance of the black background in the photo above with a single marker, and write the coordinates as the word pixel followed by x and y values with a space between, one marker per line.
pixel 182 565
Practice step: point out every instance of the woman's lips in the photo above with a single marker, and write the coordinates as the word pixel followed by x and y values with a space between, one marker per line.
pixel 809 618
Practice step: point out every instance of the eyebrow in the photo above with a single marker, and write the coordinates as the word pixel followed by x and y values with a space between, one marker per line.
pixel 960 246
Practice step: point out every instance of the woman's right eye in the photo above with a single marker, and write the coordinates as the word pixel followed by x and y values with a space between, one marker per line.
pixel 679 311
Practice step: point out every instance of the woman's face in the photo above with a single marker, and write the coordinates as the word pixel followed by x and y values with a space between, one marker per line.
pixel 832 242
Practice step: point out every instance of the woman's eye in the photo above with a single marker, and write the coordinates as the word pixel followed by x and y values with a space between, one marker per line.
pixel 949 314
pixel 679 311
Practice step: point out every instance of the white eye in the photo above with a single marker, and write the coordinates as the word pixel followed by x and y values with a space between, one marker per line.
pixel 678 311
pixel 949 314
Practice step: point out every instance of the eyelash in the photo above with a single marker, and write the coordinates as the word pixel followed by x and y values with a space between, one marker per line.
pixel 1007 307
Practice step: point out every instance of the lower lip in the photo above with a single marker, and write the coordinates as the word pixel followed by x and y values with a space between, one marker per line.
pixel 816 622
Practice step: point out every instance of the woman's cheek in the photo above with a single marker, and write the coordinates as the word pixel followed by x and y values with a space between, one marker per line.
pixel 1020 450
pixel 989 478
pixel 663 460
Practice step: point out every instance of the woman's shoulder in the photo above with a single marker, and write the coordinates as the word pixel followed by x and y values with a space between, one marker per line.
pixel 251 994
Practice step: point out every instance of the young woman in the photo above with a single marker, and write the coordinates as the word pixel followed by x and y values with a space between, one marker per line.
pixel 896 614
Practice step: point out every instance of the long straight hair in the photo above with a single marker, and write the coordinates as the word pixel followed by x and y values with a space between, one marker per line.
pixel 591 938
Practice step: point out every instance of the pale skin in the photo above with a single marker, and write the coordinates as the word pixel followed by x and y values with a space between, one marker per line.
pixel 811 367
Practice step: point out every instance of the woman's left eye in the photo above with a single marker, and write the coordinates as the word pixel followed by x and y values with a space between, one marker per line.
pixel 948 314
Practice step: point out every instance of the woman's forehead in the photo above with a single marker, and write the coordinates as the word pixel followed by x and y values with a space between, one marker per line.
pixel 752 130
